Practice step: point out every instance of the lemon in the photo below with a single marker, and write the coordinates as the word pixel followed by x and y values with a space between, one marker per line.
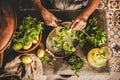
pixel 40 53
pixel 17 46
pixel 58 30
pixel 25 47
pixel 26 59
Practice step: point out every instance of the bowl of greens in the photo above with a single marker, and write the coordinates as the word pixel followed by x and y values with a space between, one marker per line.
pixel 62 41
pixel 28 35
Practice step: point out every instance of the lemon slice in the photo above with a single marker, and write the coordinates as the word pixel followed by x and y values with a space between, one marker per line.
pixel 58 30
pixel 104 52
pixel 98 58
pixel 26 59
pixel 40 53
pixel 35 41
pixel 25 47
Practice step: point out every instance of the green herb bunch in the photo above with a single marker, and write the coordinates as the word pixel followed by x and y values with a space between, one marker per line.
pixel 92 34
pixel 76 63
pixel 45 59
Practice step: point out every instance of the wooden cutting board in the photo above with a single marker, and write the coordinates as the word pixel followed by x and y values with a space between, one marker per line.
pixel 7 24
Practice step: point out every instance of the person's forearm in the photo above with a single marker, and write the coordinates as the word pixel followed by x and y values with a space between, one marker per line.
pixel 37 4
pixel 92 5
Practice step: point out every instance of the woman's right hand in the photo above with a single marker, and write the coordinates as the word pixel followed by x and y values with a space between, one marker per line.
pixel 49 18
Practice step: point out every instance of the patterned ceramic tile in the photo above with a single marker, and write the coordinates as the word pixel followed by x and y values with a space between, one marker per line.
pixel 115 64
pixel 110 15
pixel 114 4
pixel 113 22
pixel 113 18
pixel 114 33
pixel 115 47
pixel 103 4
pixel 116 18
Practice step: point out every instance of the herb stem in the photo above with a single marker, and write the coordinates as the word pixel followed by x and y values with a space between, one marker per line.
pixel 85 33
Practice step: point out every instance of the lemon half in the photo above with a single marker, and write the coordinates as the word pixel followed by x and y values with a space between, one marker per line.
pixel 26 59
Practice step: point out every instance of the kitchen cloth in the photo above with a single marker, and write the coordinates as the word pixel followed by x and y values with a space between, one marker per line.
pixel 31 71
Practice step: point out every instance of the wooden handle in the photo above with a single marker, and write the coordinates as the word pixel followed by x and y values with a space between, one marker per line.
pixel 1 59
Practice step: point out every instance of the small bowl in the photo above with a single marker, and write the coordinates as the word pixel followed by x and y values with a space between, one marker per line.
pixel 33 47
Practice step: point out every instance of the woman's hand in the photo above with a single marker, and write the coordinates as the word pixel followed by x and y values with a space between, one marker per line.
pixel 79 23
pixel 49 18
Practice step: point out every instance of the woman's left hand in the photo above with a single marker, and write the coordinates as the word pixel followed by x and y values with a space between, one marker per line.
pixel 79 23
